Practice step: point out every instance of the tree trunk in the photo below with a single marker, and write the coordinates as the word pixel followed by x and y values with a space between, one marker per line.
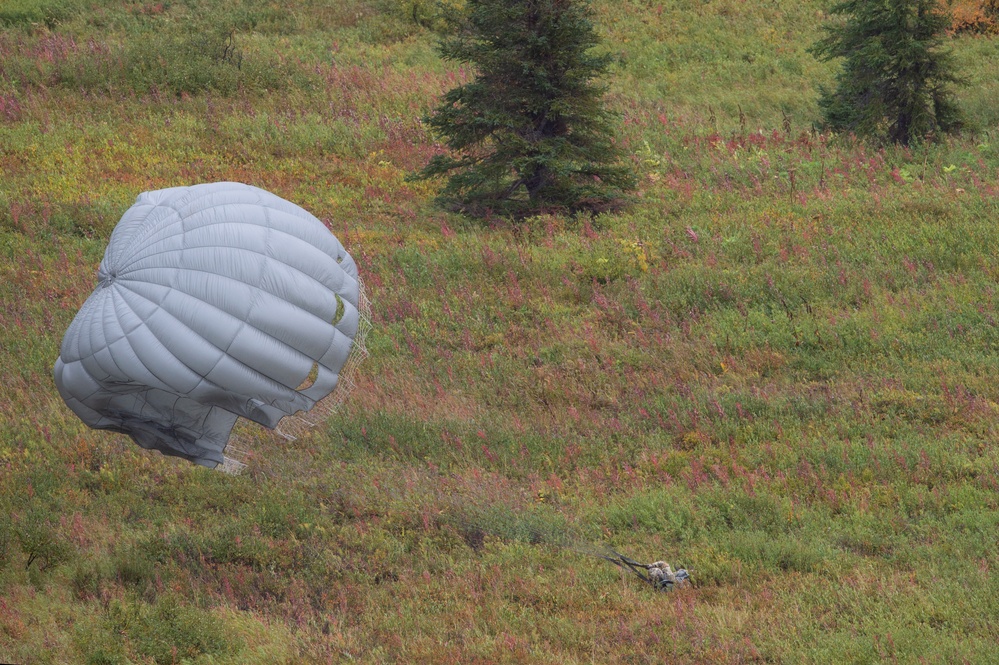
pixel 537 182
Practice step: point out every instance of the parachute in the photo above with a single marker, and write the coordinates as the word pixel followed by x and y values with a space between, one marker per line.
pixel 214 302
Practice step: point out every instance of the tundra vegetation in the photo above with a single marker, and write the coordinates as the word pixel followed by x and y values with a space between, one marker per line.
pixel 776 367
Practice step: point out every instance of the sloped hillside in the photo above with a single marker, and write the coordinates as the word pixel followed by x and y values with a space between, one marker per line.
pixel 776 367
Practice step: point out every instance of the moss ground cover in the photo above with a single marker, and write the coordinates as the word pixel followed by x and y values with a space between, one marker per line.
pixel 776 368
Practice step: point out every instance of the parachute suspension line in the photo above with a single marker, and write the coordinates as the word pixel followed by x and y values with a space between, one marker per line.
pixel 237 452
pixel 231 465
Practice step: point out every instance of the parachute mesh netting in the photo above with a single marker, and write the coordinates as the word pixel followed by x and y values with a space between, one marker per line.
pixel 215 303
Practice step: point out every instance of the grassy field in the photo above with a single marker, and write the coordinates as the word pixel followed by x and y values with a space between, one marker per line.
pixel 777 368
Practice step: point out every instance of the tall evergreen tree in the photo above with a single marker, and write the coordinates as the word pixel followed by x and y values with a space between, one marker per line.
pixel 530 132
pixel 895 80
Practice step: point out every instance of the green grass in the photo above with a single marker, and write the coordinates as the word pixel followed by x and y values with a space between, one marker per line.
pixel 776 368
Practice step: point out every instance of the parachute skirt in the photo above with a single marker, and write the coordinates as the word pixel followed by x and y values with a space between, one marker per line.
pixel 215 302
pixel 237 451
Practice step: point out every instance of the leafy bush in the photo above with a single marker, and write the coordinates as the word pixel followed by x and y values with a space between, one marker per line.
pixel 134 568
pixel 90 578
pixel 41 541
pixel 539 525
pixel 974 16
pixel 185 63
pixel 175 59
pixel 168 631
pixel 98 644
pixel 658 511
pixel 780 553
pixel 29 12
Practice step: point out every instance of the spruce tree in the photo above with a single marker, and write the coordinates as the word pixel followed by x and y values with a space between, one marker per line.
pixel 895 80
pixel 529 132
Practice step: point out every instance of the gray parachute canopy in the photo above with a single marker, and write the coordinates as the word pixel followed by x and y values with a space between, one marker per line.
pixel 214 301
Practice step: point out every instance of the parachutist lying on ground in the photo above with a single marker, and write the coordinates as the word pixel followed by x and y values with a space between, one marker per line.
pixel 659 574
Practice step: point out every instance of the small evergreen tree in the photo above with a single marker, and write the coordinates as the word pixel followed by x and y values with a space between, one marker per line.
pixel 895 79
pixel 530 131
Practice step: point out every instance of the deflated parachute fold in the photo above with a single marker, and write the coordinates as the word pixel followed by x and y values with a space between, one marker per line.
pixel 213 301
